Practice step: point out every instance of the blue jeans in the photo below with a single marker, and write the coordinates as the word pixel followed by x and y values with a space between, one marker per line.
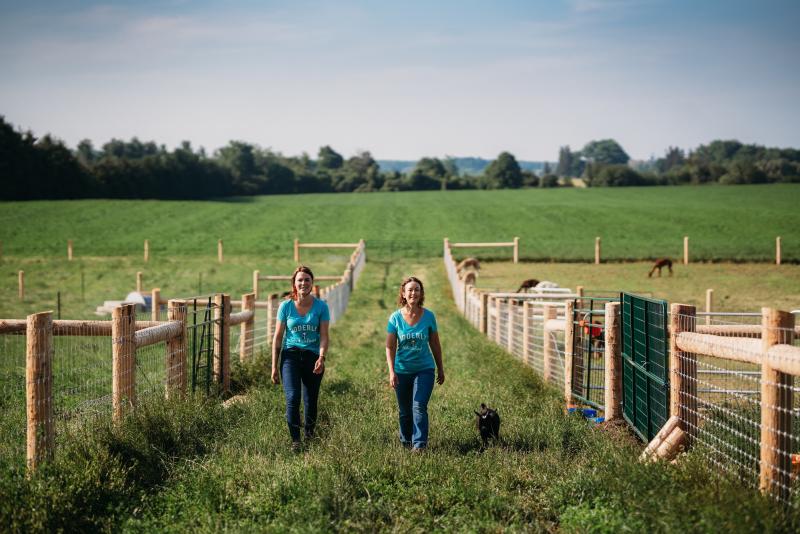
pixel 413 393
pixel 297 375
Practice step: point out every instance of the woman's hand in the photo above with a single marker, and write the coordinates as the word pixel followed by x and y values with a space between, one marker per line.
pixel 319 365
pixel 393 381
pixel 276 377
pixel 440 377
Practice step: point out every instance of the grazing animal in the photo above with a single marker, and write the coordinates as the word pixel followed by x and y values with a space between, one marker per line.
pixel 488 424
pixel 546 284
pixel 661 262
pixel 471 263
pixel 469 277
pixel 530 283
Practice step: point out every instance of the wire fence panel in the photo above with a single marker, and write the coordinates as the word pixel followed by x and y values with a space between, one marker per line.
pixel 739 413
pixel 588 357
pixel 12 399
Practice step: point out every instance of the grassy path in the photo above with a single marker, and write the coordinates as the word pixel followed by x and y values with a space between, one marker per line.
pixel 552 472
pixel 194 466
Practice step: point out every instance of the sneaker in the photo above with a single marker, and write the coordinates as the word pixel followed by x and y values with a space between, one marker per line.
pixel 418 450
pixel 297 446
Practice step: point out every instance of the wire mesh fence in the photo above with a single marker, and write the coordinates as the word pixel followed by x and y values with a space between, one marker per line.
pixel 737 395
pixel 729 379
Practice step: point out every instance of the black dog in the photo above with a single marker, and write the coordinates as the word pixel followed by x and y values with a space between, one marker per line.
pixel 488 423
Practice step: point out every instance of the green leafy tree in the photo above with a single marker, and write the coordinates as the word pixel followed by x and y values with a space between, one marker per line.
pixel 605 152
pixel 503 173
pixel 329 159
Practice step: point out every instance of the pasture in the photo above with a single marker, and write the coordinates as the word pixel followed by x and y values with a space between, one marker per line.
pixel 190 464
pixel 195 466
pixel 723 223
pixel 737 287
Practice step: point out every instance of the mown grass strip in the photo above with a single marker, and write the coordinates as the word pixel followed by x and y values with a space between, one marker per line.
pixel 549 472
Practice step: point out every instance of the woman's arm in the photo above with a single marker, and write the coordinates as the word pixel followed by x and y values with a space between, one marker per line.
pixel 319 365
pixel 391 350
pixel 436 349
pixel 277 343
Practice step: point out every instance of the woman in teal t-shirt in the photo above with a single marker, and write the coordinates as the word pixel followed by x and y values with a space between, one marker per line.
pixel 301 337
pixel 413 352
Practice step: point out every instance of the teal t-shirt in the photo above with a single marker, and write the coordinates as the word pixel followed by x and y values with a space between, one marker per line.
pixel 413 349
pixel 302 331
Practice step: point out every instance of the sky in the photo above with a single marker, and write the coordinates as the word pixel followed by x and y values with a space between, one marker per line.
pixel 408 79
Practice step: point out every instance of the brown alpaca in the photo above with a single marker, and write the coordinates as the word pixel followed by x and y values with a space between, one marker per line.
pixel 530 283
pixel 661 262
pixel 469 277
pixel 471 263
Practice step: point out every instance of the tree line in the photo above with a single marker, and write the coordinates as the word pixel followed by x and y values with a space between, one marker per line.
pixel 728 162
pixel 46 168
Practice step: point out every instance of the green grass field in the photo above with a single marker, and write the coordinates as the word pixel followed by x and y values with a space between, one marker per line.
pixel 737 287
pixel 735 223
pixel 192 465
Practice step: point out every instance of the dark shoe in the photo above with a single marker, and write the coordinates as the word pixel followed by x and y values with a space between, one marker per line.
pixel 405 444
pixel 297 446
pixel 418 450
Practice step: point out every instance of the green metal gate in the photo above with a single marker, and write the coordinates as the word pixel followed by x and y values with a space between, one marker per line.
pixel 645 364
pixel 204 333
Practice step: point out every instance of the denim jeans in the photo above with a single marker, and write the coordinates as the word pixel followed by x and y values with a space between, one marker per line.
pixel 297 376
pixel 413 392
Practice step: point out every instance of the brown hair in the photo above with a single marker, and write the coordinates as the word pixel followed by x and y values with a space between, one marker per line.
pixel 401 301
pixel 300 269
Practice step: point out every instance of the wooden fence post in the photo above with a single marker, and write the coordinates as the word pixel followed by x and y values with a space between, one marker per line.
pixel 296 250
pixel 176 359
pixel 155 306
pixel 270 317
pixel 526 331
pixel 123 383
pixel 222 341
pixel 139 281
pixel 549 311
pixel 777 250
pixel 709 304
pixel 777 327
pixel 219 250
pixel 256 274
pixel 247 328
pixel 613 364
pixel 683 370
pixel 21 284
pixel 516 250
pixel 497 310
pixel 569 348
pixel 483 319
pixel 146 250
pixel 597 251
pixel 39 388
pixel 686 250
pixel 69 249
pixel 510 327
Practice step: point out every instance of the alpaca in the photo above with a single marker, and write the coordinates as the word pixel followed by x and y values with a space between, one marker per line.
pixel 471 263
pixel 530 283
pixel 661 262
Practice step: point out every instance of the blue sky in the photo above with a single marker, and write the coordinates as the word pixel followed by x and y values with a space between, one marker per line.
pixel 407 79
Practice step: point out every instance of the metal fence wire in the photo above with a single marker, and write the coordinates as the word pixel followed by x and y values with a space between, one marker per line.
pixel 588 356
pixel 739 413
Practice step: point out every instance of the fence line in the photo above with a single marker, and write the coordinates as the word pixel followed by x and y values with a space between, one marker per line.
pixel 734 386
pixel 530 326
pixel 735 399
